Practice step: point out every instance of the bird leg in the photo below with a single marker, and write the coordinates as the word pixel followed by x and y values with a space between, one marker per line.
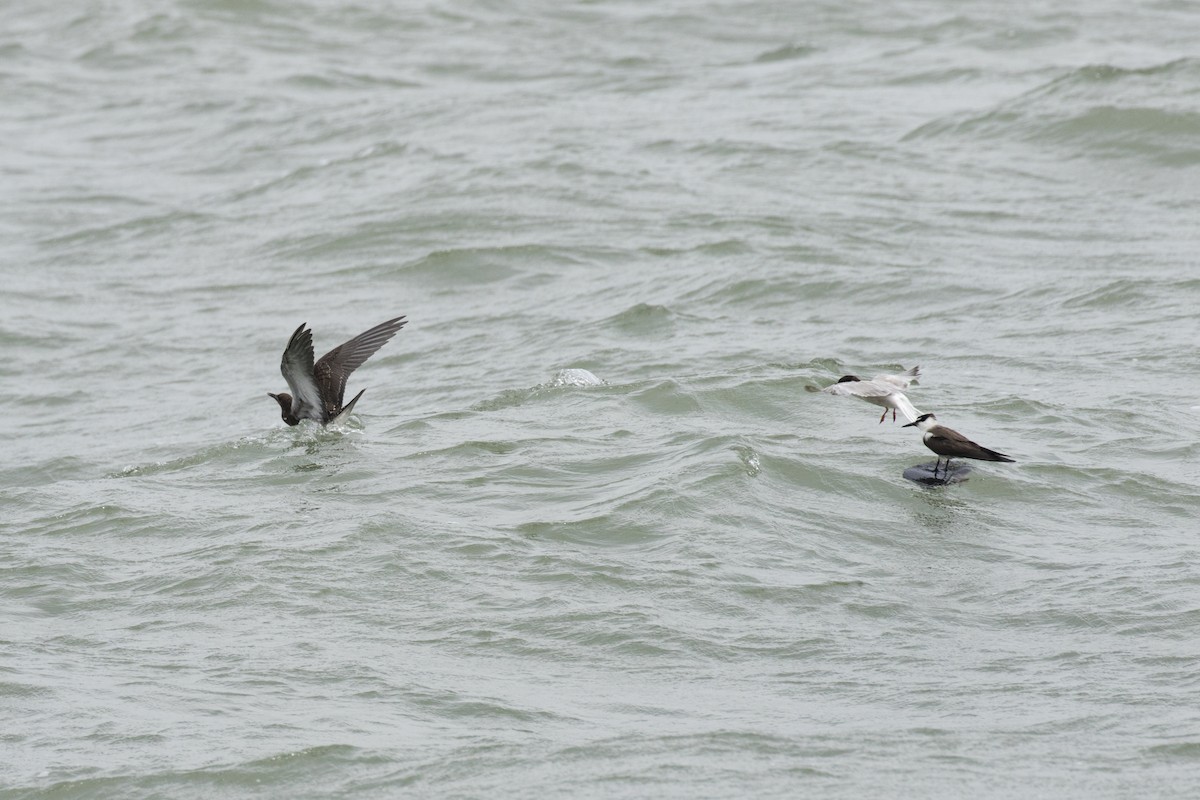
pixel 881 419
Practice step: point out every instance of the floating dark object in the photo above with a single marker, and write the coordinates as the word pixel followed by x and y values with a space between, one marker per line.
pixel 943 476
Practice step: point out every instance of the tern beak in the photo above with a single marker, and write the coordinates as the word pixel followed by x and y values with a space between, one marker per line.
pixel 909 425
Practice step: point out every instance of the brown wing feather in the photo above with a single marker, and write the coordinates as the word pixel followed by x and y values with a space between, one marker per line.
pixel 334 368
pixel 949 442
pixel 297 369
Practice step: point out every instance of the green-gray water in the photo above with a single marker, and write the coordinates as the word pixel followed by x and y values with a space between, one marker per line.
pixel 694 580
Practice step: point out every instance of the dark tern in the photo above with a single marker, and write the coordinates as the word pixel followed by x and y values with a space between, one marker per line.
pixel 952 444
pixel 882 390
pixel 317 389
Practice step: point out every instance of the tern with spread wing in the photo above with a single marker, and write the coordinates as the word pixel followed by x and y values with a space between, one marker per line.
pixel 317 389
pixel 882 390
pixel 951 444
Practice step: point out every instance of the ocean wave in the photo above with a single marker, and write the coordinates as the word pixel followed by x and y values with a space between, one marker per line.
pixel 1101 110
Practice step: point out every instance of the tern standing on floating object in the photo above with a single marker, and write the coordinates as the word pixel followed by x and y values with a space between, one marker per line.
pixel 317 389
pixel 952 444
pixel 882 390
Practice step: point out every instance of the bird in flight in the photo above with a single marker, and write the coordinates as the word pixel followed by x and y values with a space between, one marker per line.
pixel 882 390
pixel 317 389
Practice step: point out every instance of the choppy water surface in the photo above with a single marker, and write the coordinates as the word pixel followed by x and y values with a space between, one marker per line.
pixel 688 577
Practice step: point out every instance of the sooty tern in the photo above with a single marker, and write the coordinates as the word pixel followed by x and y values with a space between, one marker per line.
pixel 951 444
pixel 317 389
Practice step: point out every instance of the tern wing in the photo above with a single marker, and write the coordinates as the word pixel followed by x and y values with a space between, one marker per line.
pixel 297 369
pixel 950 435
pixel 862 389
pixel 334 368
pixel 901 381
pixel 950 442
pixel 904 407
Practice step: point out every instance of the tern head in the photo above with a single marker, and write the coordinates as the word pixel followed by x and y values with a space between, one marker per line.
pixel 849 379
pixel 285 404
pixel 924 418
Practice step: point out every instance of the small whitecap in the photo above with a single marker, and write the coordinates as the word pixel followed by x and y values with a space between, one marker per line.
pixel 575 377
pixel 749 459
